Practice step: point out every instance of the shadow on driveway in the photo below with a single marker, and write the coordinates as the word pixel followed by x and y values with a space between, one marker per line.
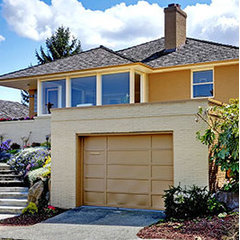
pixel 107 216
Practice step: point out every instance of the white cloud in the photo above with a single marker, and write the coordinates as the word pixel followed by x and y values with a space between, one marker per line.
pixel 218 21
pixel 2 38
pixel 120 25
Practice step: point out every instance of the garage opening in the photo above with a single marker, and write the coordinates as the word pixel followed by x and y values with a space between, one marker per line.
pixel 130 171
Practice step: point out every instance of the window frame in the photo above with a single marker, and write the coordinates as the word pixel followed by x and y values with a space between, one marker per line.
pixel 194 84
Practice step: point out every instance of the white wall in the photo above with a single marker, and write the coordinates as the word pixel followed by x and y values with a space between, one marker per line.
pixel 15 130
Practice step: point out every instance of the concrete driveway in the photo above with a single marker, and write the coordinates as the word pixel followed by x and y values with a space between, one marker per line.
pixel 93 223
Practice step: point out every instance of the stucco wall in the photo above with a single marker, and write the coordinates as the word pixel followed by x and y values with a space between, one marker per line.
pixel 15 130
pixel 190 156
pixel 226 82
pixel 176 85
pixel 170 86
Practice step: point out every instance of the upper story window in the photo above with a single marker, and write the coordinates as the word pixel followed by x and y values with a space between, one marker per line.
pixel 115 88
pixel 53 95
pixel 83 91
pixel 202 84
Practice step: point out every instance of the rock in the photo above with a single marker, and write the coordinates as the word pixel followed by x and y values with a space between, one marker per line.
pixel 230 199
pixel 35 192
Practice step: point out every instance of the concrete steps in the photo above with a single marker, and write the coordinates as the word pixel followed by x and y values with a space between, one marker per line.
pixel 13 194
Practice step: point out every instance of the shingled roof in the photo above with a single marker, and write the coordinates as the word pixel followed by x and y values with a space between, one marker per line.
pixel 150 53
pixel 10 109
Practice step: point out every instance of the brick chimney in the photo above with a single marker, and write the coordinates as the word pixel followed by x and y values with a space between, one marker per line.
pixel 175 26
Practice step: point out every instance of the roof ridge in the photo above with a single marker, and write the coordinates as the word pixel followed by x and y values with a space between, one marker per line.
pixel 215 43
pixel 118 54
pixel 139 44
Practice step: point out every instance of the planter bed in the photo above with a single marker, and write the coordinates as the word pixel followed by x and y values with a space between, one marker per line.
pixel 200 229
pixel 24 219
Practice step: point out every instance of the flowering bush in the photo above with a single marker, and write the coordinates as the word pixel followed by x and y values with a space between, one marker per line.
pixel 50 209
pixel 30 158
pixel 15 119
pixel 42 172
pixel 5 146
pixel 190 203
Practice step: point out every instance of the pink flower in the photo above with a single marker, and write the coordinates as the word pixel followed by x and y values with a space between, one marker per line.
pixel 51 207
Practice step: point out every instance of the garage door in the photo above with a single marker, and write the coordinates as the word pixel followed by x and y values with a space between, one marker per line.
pixel 127 171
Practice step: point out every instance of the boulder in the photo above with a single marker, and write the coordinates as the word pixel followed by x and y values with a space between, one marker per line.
pixel 35 192
pixel 230 199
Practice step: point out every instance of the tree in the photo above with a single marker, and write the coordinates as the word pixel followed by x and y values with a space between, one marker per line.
pixel 25 97
pixel 222 136
pixel 59 45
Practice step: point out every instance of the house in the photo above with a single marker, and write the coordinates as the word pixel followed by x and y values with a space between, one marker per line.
pixel 122 122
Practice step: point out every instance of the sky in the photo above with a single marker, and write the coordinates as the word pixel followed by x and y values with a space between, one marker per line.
pixel 25 24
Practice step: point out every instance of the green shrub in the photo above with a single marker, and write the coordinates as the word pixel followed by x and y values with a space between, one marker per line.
pixel 31 209
pixel 190 203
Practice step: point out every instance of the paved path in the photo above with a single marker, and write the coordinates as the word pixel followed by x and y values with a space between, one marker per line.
pixel 86 224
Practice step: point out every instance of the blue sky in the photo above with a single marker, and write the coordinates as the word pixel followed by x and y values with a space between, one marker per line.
pixel 24 24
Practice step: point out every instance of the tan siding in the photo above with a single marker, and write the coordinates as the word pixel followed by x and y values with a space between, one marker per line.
pixel 226 82
pixel 170 86
pixel 189 155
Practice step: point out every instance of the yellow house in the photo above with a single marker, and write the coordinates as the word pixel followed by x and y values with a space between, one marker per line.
pixel 122 122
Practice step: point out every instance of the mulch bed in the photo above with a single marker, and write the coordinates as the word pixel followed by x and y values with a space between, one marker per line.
pixel 24 219
pixel 197 229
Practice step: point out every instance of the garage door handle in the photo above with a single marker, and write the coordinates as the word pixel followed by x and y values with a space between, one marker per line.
pixel 95 153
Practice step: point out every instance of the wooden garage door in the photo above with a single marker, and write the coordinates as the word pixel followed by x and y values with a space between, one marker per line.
pixel 127 171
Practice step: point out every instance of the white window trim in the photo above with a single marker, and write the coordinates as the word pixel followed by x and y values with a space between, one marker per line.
pixel 213 82
pixel 68 78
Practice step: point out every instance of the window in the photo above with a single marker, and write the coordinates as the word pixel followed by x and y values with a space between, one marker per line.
pixel 83 91
pixel 115 88
pixel 203 84
pixel 53 95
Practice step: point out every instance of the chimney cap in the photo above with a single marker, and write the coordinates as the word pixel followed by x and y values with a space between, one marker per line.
pixel 174 5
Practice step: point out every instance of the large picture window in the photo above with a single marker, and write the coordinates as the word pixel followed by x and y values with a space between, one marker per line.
pixel 115 88
pixel 53 95
pixel 203 84
pixel 83 91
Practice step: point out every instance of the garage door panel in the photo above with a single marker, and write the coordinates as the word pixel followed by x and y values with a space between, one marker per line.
pixel 94 185
pixel 97 157
pixel 159 186
pixel 162 172
pixel 94 143
pixel 128 200
pixel 162 157
pixel 94 198
pixel 128 157
pixel 157 202
pixel 129 172
pixel 129 142
pixel 163 141
pixel 128 186
pixel 94 171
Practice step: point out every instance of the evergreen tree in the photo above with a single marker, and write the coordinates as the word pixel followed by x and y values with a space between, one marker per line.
pixel 59 45
pixel 25 97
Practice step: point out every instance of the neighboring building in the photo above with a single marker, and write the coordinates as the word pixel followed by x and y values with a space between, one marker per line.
pixel 123 122
pixel 13 110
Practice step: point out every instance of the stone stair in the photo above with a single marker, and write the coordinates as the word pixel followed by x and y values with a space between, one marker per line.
pixel 13 193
